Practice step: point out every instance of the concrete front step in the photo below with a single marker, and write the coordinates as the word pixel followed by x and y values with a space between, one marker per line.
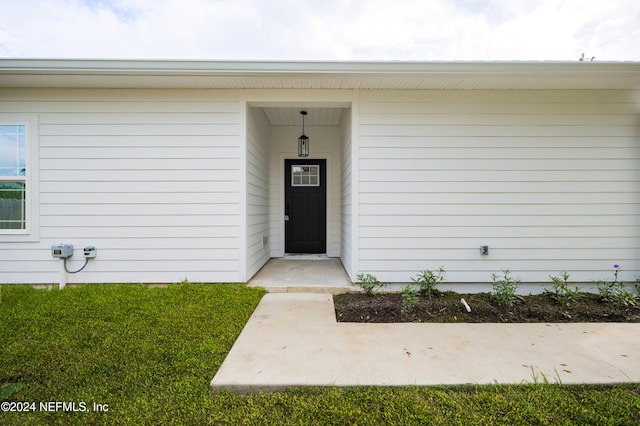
pixel 302 272
pixel 310 289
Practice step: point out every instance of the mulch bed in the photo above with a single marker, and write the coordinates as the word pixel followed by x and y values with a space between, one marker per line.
pixel 447 307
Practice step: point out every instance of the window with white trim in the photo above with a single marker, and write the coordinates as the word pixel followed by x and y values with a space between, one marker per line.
pixel 13 173
pixel 19 197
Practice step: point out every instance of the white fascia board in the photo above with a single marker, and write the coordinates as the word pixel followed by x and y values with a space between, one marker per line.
pixel 627 74
pixel 252 68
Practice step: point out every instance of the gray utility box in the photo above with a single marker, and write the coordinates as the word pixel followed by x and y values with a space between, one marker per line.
pixel 62 251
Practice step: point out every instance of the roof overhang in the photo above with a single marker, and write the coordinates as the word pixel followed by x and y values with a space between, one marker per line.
pixel 157 74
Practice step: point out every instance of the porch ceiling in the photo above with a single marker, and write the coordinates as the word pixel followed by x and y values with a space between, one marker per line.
pixel 44 73
pixel 278 116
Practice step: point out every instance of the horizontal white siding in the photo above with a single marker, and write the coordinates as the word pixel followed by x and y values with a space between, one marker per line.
pixel 156 179
pixel 257 190
pixel 151 178
pixel 346 248
pixel 548 179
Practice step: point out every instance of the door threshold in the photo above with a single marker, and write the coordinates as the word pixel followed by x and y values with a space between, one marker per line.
pixel 306 256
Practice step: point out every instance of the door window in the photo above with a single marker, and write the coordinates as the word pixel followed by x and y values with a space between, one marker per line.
pixel 305 175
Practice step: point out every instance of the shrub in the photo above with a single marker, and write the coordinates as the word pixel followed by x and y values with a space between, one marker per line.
pixel 616 291
pixel 368 283
pixel 504 289
pixel 561 292
pixel 409 298
pixel 428 280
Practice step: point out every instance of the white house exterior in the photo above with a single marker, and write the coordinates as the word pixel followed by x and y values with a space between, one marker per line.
pixel 176 170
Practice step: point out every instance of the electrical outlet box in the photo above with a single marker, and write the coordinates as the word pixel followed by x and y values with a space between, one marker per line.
pixel 62 251
pixel 90 252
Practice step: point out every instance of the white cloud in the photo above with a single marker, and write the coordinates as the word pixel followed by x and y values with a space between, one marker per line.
pixel 322 30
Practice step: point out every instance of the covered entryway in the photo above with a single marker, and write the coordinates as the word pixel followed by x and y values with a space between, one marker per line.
pixel 298 205
pixel 305 206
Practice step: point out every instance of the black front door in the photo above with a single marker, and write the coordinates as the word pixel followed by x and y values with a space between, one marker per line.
pixel 305 206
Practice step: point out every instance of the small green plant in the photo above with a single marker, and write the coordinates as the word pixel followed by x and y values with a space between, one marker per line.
pixel 428 280
pixel 368 283
pixel 616 291
pixel 561 292
pixel 409 298
pixel 504 289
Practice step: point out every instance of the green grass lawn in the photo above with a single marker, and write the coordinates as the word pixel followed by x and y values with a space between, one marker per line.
pixel 149 355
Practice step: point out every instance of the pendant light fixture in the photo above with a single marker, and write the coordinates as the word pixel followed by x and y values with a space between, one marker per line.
pixel 303 140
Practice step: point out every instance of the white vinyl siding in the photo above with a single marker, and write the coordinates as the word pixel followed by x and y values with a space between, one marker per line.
pixel 149 177
pixel 257 190
pixel 346 243
pixel 547 179
pixel 174 184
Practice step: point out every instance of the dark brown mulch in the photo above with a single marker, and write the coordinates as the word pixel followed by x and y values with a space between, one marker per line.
pixel 447 307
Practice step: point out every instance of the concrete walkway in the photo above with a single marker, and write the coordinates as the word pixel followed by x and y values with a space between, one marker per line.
pixel 293 339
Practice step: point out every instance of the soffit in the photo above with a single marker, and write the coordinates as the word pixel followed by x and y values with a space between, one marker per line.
pixel 318 75
pixel 279 116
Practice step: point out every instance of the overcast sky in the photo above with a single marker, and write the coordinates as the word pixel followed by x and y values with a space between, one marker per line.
pixel 424 30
